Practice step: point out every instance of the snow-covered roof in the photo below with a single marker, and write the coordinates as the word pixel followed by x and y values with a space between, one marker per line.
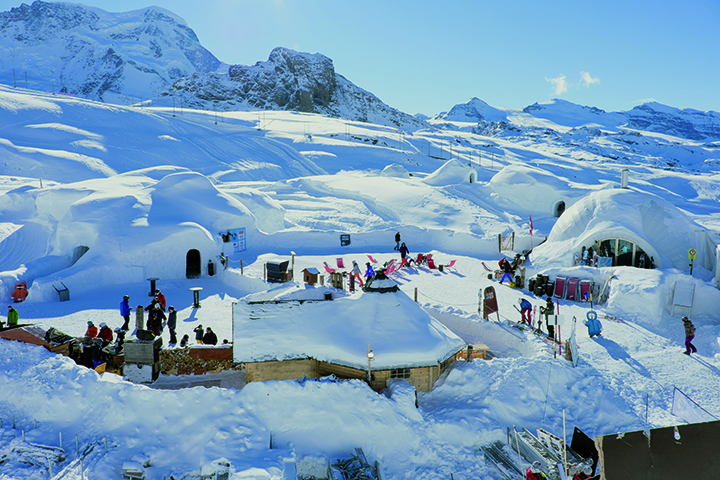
pixel 401 334
pixel 652 223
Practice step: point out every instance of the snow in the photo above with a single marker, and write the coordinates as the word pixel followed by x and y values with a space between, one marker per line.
pixel 182 180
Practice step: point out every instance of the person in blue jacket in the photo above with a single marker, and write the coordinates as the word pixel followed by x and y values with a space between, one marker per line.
pixel 593 324
pixel 525 309
pixel 125 311
pixel 369 273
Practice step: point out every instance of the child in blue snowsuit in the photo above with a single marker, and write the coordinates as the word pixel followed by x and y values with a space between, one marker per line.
pixel 593 324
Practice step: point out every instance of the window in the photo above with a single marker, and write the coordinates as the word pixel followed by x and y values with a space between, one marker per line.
pixel 400 373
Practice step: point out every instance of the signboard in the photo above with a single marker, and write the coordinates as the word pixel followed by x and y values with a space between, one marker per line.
pixel 344 239
pixel 237 238
pixel 490 304
pixel 692 253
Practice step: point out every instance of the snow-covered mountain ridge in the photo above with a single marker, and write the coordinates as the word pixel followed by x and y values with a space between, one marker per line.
pixel 91 53
pixel 292 81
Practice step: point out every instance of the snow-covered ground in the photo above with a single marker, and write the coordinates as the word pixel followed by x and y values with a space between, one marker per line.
pixel 296 184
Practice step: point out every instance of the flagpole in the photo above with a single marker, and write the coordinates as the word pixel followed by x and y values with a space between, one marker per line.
pixel 532 243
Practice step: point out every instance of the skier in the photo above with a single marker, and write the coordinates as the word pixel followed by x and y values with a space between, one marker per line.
pixel 689 335
pixel 534 472
pixel 584 256
pixel 397 241
pixel 525 308
pixel 13 316
pixel 593 324
pixel 125 311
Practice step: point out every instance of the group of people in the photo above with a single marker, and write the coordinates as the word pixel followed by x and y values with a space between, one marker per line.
pixel 203 337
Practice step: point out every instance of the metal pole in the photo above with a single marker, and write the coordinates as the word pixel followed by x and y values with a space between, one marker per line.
pixel 564 446
pixel 241 266
pixel 415 294
pixel 517 445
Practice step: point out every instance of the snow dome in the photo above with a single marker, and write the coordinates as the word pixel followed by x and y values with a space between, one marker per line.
pixel 452 172
pixel 534 190
pixel 395 170
pixel 150 223
pixel 638 225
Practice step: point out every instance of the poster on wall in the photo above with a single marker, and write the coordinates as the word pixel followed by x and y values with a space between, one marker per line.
pixel 237 238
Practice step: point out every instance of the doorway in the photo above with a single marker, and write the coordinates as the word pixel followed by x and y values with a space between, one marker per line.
pixel 192 264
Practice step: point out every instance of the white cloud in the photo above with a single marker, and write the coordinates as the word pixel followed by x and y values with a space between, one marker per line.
pixel 559 83
pixel 588 79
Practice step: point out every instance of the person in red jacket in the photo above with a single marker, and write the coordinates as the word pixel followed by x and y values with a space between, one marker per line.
pixel 92 330
pixel 161 299
pixel 105 334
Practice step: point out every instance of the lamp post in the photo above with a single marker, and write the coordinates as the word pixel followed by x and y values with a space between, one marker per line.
pixel 371 357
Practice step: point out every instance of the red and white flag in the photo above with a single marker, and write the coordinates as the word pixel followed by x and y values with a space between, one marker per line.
pixel 531 227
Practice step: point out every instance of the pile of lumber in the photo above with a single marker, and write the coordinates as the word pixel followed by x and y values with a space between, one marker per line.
pixel 177 361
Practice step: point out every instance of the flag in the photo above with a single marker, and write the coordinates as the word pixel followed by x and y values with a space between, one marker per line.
pixel 531 227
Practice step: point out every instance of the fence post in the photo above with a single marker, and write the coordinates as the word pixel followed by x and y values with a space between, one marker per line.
pixel 241 266
pixel 415 294
pixel 499 243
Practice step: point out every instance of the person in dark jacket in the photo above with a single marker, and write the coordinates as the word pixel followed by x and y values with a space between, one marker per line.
pixel 155 320
pixel 210 338
pixel 404 250
pixel 199 333
pixel 172 323
pixel 125 311
pixel 119 339
pixel 689 335
pixel 184 340
pixel 397 241
pixel 507 269
pixel 548 311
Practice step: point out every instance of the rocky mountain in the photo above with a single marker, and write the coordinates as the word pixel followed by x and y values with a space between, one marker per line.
pixel 475 110
pixel 293 81
pixel 95 54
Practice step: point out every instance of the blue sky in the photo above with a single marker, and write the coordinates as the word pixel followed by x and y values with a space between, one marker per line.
pixel 426 56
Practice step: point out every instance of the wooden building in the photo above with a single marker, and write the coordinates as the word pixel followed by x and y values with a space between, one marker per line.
pixel 287 337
